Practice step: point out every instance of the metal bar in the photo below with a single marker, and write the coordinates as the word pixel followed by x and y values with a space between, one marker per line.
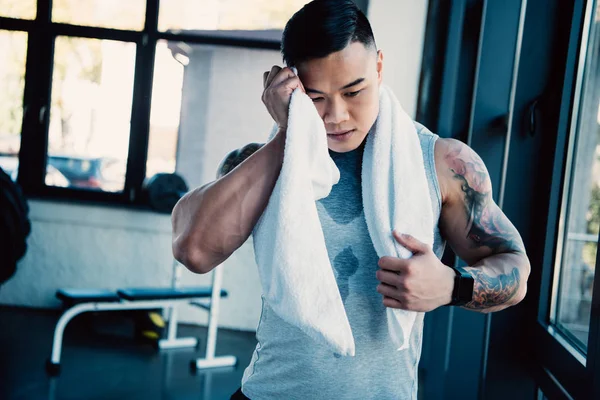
pixel 203 38
pixel 210 361
pixel 573 112
pixel 593 353
pixel 15 24
pixel 213 317
pixel 562 359
pixel 93 32
pixel 172 325
pixel 550 386
pixel 177 343
pixel 477 73
pixel 172 311
pixel 482 372
pixel 201 305
pixel 582 237
pixel 36 95
pixel 451 69
pixel 511 105
pixel 502 188
pixel 140 116
pixel 216 362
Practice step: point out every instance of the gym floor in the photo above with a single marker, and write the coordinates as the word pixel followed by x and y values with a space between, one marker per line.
pixel 101 360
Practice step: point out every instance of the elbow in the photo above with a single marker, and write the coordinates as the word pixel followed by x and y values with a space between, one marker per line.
pixel 520 295
pixel 522 289
pixel 190 255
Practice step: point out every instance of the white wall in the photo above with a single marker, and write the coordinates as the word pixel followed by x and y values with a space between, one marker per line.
pixel 77 246
pixel 399 29
pixel 91 246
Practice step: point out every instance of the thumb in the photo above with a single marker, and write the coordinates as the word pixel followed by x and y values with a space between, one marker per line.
pixel 410 242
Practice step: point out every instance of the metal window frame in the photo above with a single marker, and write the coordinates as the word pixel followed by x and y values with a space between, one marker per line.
pixel 37 96
pixel 566 368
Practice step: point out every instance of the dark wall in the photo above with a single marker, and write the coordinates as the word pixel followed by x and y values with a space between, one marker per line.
pixel 488 68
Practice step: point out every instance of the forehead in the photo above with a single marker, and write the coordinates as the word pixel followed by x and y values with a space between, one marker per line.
pixel 339 68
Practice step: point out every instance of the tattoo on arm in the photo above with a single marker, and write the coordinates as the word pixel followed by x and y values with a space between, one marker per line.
pixel 491 291
pixel 486 224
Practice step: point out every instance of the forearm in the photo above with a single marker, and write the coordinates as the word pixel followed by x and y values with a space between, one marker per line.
pixel 211 222
pixel 500 281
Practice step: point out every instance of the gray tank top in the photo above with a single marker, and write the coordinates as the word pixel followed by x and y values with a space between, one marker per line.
pixel 287 364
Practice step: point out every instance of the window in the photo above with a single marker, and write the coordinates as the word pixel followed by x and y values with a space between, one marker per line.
pixel 213 15
pixel 115 14
pixel 581 212
pixel 92 90
pixel 101 94
pixel 193 114
pixel 23 9
pixel 13 45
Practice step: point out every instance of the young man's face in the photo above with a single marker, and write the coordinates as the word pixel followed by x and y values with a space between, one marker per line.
pixel 344 87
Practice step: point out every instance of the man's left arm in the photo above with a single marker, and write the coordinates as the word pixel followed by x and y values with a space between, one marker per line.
pixel 478 232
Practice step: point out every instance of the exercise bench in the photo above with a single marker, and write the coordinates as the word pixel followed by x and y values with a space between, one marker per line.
pixel 94 300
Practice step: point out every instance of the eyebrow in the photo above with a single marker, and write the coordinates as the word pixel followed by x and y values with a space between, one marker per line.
pixel 353 83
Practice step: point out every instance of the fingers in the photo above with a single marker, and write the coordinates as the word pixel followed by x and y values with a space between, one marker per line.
pixel 389 278
pixel 277 75
pixel 391 302
pixel 411 243
pixel 387 290
pixel 270 75
pixel 279 84
pixel 290 84
pixel 393 264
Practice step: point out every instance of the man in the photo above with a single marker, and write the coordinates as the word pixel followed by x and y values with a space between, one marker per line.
pixel 331 44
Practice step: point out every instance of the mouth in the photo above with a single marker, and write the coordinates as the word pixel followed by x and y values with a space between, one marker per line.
pixel 340 135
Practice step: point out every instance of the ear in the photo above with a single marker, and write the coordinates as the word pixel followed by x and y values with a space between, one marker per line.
pixel 379 66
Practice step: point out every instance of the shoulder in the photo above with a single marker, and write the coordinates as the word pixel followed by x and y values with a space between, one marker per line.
pixel 236 157
pixel 457 166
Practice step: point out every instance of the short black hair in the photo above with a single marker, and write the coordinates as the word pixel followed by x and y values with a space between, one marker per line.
pixel 323 27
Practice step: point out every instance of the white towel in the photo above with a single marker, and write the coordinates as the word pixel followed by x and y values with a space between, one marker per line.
pixel 296 275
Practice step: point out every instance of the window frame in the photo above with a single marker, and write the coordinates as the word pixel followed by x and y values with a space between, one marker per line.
pixel 37 96
pixel 563 369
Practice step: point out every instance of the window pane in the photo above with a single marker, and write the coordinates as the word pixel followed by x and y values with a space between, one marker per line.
pixel 206 102
pixel 23 9
pixel 92 90
pixel 226 14
pixel 117 14
pixel 583 216
pixel 13 45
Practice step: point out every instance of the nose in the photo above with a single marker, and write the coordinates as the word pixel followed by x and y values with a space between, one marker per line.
pixel 336 112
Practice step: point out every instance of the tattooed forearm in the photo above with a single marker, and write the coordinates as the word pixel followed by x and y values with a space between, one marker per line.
pixel 486 224
pixel 489 291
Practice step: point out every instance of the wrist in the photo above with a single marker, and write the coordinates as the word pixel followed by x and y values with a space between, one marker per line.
pixel 449 276
pixel 462 291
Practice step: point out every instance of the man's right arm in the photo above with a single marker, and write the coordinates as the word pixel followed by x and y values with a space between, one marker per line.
pixel 212 221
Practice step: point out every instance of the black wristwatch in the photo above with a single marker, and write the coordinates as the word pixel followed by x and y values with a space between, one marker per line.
pixel 463 287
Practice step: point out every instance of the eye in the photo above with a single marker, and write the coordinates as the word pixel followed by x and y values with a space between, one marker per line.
pixel 353 94
pixel 316 99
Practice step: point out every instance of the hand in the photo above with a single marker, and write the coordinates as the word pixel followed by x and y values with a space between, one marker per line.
pixel 420 283
pixel 279 85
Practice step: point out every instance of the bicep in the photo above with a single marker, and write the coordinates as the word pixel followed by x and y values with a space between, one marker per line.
pixel 472 223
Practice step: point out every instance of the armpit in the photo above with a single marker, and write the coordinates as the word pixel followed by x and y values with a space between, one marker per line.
pixel 236 157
